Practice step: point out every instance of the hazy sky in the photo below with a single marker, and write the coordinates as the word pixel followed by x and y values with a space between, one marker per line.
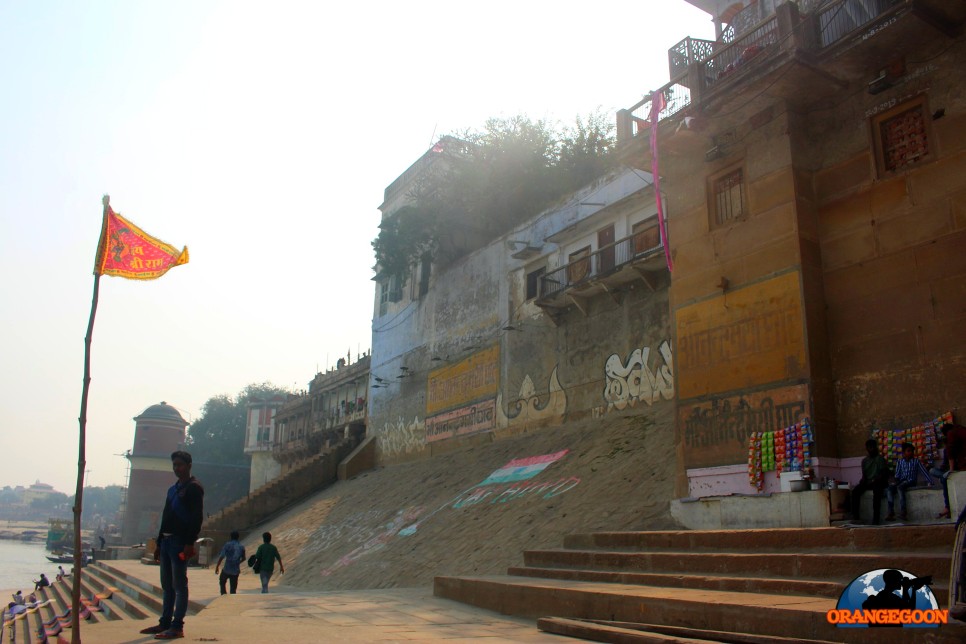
pixel 260 135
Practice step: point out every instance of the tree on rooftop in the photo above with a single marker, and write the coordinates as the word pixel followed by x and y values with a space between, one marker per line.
pixel 508 172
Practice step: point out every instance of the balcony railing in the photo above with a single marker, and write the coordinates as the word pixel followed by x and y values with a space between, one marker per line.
pixel 697 65
pixel 687 52
pixel 749 46
pixel 599 264
pixel 839 19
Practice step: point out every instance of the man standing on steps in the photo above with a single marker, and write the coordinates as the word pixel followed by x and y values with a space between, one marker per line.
pixel 266 555
pixel 232 553
pixel 180 524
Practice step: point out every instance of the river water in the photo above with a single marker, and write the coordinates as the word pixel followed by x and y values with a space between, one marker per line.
pixel 20 563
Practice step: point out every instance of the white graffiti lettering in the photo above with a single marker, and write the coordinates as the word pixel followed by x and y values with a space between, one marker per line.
pixel 635 381
pixel 401 437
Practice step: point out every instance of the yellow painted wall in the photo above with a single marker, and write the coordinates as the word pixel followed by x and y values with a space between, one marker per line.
pixel 744 338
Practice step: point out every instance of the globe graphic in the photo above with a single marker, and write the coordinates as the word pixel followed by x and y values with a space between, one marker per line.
pixel 864 586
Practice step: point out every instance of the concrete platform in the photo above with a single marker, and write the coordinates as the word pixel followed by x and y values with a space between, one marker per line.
pixel 287 615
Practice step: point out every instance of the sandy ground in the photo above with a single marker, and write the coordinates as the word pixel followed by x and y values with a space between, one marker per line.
pixel 399 526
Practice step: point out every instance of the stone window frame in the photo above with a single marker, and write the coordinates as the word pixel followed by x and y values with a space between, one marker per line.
pixel 878 124
pixel 717 187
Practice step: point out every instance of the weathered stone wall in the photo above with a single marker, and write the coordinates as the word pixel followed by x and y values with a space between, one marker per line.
pixel 894 258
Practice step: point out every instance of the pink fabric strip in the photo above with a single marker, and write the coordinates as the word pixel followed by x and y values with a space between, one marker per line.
pixel 657 104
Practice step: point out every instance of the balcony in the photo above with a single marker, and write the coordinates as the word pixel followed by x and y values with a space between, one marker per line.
pixel 639 257
pixel 805 52
pixel 258 446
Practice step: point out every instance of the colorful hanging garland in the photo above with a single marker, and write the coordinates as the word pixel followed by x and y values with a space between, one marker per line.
pixel 788 449
pixel 925 438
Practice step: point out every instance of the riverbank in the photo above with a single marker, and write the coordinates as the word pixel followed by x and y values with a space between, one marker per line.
pixel 29 531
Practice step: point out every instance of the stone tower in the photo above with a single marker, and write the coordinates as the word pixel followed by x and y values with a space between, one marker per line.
pixel 158 431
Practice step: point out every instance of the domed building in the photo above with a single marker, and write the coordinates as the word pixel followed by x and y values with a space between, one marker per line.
pixel 158 431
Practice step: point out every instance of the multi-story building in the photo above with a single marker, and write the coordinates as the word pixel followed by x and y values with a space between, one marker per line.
pixel 813 161
pixel 334 407
pixel 260 439
pixel 561 317
pixel 811 177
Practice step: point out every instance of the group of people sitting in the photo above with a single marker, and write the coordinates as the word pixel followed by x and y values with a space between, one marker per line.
pixel 876 475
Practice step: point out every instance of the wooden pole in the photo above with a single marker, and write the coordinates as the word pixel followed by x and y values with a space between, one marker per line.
pixel 75 603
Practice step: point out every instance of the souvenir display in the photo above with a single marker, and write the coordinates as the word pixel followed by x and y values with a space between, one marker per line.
pixel 788 449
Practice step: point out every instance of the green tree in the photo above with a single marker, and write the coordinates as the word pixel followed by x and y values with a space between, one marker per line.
pixel 217 444
pixel 493 180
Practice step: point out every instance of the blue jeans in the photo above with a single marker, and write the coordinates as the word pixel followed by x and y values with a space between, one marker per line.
pixel 174 583
pixel 899 488
pixel 265 577
pixel 942 475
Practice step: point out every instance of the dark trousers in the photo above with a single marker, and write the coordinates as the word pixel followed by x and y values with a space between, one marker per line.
pixel 174 583
pixel 232 582
pixel 877 490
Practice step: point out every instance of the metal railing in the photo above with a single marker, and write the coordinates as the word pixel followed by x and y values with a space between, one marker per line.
pixel 753 44
pixel 602 262
pixel 755 35
pixel 839 19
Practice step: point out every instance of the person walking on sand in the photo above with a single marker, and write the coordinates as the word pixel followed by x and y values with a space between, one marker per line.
pixel 180 524
pixel 232 553
pixel 266 556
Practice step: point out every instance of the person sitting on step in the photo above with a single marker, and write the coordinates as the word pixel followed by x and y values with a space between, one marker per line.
pixel 908 469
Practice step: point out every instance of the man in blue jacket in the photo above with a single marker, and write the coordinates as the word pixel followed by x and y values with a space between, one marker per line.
pixel 180 524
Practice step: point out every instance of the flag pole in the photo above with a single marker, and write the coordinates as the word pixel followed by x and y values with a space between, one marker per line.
pixel 81 447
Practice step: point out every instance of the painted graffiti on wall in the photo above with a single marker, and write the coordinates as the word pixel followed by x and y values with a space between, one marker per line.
pixel 635 381
pixel 402 437
pixel 716 431
pixel 475 378
pixel 471 419
pixel 528 407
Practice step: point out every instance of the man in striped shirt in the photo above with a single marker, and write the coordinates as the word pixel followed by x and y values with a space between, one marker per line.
pixel 908 469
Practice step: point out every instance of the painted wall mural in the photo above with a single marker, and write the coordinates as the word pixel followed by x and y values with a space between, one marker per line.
pixel 744 338
pixel 402 437
pixel 628 383
pixel 473 379
pixel 716 431
pixel 528 408
pixel 464 421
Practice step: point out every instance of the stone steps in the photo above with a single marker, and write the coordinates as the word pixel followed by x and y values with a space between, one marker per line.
pixel 758 584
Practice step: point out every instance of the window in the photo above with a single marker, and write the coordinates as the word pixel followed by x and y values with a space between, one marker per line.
pixel 579 267
pixel 901 137
pixel 534 279
pixel 389 291
pixel 424 271
pixel 727 197
pixel 646 236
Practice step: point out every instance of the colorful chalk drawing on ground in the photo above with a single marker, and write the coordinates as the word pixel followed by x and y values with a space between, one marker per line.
pixel 520 469
pixel 377 542
pixel 502 485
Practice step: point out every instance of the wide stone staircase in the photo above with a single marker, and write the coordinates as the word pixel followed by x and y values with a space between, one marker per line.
pixel 107 595
pixel 308 477
pixel 722 585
